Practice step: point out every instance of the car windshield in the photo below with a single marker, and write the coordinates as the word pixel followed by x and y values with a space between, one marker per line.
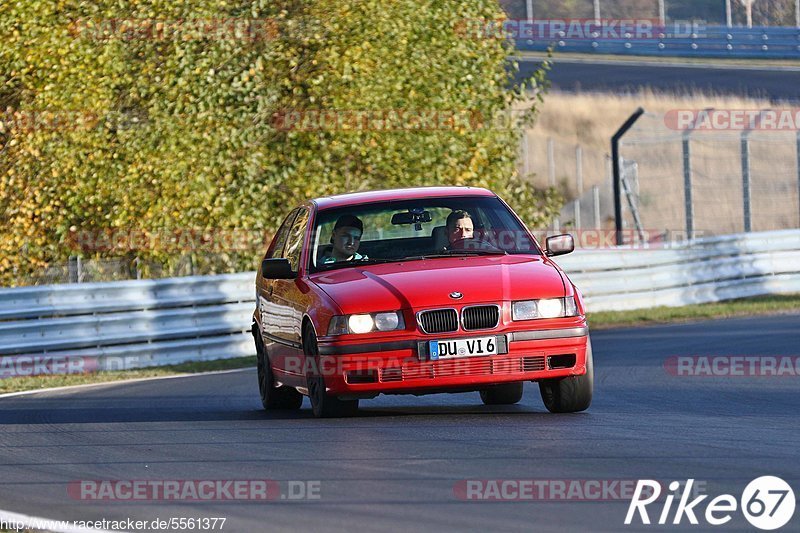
pixel 419 229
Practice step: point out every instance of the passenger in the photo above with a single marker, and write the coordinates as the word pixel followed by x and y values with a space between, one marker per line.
pixel 345 238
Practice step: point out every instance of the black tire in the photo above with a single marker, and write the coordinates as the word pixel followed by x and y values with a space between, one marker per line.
pixel 322 404
pixel 505 394
pixel 572 394
pixel 272 398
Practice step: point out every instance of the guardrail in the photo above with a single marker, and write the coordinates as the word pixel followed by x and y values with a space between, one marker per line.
pixel 132 324
pixel 129 324
pixel 706 270
pixel 709 41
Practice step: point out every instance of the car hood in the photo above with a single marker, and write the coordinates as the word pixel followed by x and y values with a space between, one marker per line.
pixel 428 283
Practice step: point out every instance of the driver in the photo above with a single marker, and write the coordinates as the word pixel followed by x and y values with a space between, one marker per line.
pixel 459 226
pixel 345 238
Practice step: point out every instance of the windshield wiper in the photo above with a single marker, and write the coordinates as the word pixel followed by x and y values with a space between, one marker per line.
pixel 456 253
pixel 355 263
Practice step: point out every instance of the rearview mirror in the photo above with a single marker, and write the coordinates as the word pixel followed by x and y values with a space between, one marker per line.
pixel 277 269
pixel 411 217
pixel 560 245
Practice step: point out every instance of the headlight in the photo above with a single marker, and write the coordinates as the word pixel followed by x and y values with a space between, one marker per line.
pixel 546 308
pixel 387 321
pixel 551 308
pixel 364 323
pixel 360 323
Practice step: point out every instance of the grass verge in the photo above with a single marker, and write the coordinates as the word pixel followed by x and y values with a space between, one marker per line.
pixel 63 380
pixel 757 305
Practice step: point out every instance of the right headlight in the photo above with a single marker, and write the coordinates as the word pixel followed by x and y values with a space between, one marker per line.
pixel 544 308
pixel 365 323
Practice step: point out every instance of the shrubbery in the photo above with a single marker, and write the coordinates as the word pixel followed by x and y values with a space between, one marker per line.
pixel 165 116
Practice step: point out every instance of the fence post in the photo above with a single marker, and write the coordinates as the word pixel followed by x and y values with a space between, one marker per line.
pixel 662 17
pixel 72 268
pixel 526 166
pixel 597 11
pixel 797 144
pixel 579 180
pixel 615 160
pixel 529 9
pixel 687 185
pixel 745 148
pixel 728 17
pixel 596 202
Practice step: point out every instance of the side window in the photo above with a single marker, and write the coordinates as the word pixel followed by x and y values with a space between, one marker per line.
pixel 281 236
pixel 294 246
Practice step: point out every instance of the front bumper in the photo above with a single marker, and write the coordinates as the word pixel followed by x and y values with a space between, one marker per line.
pixel 403 366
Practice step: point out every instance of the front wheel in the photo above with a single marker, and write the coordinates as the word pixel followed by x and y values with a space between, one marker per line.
pixel 571 394
pixel 323 404
pixel 272 397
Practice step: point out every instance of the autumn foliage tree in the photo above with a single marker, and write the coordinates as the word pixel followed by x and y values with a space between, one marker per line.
pixel 164 115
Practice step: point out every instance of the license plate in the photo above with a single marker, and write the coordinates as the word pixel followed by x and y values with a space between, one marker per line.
pixel 454 348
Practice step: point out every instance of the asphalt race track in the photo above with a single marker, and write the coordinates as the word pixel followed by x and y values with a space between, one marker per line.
pixel 395 466
pixel 775 83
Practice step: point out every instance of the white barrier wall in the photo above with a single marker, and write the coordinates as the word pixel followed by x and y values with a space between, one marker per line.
pixel 707 270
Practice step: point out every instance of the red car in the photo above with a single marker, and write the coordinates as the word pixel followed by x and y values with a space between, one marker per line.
pixel 416 291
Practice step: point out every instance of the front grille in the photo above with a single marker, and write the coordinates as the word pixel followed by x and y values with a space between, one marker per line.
pixel 532 364
pixel 467 366
pixel 392 374
pixel 438 321
pixel 480 317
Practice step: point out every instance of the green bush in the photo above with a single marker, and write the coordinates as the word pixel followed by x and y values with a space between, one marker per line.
pixel 117 116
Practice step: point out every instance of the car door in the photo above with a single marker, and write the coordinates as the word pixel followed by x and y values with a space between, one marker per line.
pixel 268 312
pixel 289 300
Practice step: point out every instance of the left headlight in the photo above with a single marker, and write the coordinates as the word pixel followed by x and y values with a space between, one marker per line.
pixel 545 308
pixel 365 323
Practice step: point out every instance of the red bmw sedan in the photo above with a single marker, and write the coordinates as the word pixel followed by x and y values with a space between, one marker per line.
pixel 416 291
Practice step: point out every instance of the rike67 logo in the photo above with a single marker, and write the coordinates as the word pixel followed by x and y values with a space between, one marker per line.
pixel 767 503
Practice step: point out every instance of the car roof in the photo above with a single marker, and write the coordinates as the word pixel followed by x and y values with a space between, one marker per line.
pixel 412 193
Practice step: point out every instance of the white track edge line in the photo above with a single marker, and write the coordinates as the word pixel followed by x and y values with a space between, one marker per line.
pixel 121 382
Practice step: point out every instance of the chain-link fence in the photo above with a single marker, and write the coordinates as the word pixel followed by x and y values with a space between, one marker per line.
pixel 717 172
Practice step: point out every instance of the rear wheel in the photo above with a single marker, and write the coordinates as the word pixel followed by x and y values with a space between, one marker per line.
pixel 272 397
pixel 323 404
pixel 505 394
pixel 571 394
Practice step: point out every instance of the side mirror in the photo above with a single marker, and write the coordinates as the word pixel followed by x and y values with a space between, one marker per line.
pixel 559 245
pixel 277 269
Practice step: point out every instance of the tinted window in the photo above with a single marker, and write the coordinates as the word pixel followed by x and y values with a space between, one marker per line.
pixel 413 229
pixel 294 245
pixel 281 236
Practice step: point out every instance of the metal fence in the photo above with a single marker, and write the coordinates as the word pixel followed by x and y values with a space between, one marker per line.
pixel 685 29
pixel 729 13
pixel 130 324
pixel 676 183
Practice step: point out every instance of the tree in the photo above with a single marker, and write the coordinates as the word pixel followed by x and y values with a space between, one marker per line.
pixel 173 118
